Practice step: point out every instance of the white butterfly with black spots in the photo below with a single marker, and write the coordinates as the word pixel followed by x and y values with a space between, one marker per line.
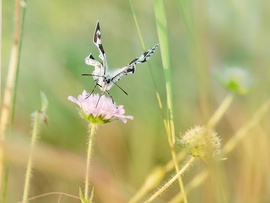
pixel 102 75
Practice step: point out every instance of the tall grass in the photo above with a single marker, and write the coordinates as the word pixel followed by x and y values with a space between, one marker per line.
pixel 161 21
pixel 9 101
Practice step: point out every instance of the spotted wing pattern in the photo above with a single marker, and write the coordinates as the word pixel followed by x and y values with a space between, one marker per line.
pixel 131 67
pixel 101 68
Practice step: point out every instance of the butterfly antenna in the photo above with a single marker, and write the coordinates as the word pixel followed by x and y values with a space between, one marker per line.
pixel 120 88
pixel 98 99
pixel 89 74
pixel 88 95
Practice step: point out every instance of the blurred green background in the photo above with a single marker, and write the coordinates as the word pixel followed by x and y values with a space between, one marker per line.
pixel 204 38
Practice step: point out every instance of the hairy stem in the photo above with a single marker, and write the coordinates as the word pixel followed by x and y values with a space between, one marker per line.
pixel 30 159
pixel 175 177
pixel 89 152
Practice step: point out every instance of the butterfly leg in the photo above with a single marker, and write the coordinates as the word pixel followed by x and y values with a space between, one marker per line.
pixel 98 100
pixel 110 96
pixel 101 96
pixel 92 90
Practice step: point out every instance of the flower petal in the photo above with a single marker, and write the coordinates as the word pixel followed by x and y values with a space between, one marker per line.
pixel 99 109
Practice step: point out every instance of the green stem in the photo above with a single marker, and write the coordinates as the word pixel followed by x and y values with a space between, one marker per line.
pixel 161 21
pixel 30 159
pixel 23 14
pixel 136 23
pixel 174 178
pixel 89 152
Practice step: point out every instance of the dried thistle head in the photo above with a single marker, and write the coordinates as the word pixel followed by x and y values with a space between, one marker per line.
pixel 201 142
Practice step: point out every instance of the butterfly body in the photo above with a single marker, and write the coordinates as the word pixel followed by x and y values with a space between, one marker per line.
pixel 104 77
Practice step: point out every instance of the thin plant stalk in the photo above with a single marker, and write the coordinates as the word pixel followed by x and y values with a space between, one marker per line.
pixel 195 182
pixel 155 178
pixel 149 65
pixel 170 182
pixel 164 48
pixel 242 132
pixel 53 193
pixel 1 23
pixel 9 93
pixel 92 128
pixel 191 21
pixel 152 180
pixel 151 72
pixel 30 159
pixel 136 23
pixel 220 111
pixel 168 123
pixel 23 14
pixel 162 30
pixel 37 116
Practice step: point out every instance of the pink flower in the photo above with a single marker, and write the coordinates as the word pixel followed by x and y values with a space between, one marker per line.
pixel 99 109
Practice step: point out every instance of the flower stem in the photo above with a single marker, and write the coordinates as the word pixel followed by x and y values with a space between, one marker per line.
pixel 220 111
pixel 89 152
pixel 175 177
pixel 243 131
pixel 30 159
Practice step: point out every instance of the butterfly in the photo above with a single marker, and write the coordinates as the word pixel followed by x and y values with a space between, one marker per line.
pixel 104 77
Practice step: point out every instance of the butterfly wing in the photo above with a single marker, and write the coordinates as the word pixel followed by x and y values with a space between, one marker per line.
pixel 90 60
pixel 100 67
pixel 97 42
pixel 145 56
pixel 104 78
pixel 130 68
pixel 116 75
pixel 98 72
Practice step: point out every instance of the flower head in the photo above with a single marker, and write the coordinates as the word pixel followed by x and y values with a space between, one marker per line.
pixel 99 109
pixel 235 79
pixel 201 142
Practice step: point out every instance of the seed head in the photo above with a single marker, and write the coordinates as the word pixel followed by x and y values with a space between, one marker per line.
pixel 201 142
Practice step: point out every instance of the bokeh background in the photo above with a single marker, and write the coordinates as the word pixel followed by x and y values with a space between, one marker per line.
pixel 204 38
